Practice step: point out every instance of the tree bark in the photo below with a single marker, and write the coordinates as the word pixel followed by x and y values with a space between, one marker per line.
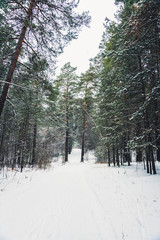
pixel 66 144
pixel 145 113
pixel 109 158
pixel 157 132
pixel 117 154
pixel 121 155
pixel 83 131
pixel 2 140
pixel 139 154
pixel 67 126
pixel 34 144
pixel 15 57
pixel 114 155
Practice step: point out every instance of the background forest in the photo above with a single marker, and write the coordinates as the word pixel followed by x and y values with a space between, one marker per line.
pixel 113 108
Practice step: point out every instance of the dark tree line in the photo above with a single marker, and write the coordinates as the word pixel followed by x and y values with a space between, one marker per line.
pixel 32 34
pixel 120 103
pixel 128 96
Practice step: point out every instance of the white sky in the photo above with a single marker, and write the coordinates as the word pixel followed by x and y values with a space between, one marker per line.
pixel 79 51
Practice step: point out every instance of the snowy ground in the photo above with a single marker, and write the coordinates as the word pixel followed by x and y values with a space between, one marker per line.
pixel 79 201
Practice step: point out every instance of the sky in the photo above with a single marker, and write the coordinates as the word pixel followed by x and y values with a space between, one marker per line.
pixel 80 50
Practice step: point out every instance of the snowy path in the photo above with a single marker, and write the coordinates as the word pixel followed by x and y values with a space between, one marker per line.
pixel 81 202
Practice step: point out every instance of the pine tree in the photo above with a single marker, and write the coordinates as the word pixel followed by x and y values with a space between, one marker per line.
pixel 66 83
pixel 44 22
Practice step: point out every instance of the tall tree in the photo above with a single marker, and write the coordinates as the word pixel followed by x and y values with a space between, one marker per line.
pixel 128 99
pixel 44 22
pixel 87 88
pixel 66 83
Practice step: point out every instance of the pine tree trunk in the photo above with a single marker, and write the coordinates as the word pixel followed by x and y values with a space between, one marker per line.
pixel 70 145
pixel 152 167
pixel 153 163
pixel 126 151
pixel 128 158
pixel 147 160
pixel 34 144
pixel 138 150
pixel 22 161
pixel 138 155
pixel 121 156
pixel 157 133
pixel 14 157
pixel 117 154
pixel 67 126
pixel 66 145
pixel 82 151
pixel 109 158
pixel 114 157
pixel 15 57
pixel 145 114
pixel 3 133
pixel 144 163
pixel 158 147
pixel 83 131
pixel 2 140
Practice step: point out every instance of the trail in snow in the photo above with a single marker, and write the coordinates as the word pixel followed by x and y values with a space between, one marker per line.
pixel 79 201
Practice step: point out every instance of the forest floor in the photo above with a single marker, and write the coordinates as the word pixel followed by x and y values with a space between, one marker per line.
pixel 77 201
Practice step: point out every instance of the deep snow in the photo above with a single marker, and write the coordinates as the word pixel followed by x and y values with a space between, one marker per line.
pixel 77 201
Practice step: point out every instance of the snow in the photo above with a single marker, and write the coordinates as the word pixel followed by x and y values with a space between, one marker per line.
pixel 80 201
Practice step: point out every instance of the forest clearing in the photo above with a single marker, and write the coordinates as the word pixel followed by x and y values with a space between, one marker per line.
pixel 81 201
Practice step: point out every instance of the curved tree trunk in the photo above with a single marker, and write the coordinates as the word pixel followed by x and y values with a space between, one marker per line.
pixel 15 57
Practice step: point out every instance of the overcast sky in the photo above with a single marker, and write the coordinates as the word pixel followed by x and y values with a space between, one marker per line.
pixel 79 51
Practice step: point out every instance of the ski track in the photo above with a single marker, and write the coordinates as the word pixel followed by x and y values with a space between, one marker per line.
pixel 77 201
